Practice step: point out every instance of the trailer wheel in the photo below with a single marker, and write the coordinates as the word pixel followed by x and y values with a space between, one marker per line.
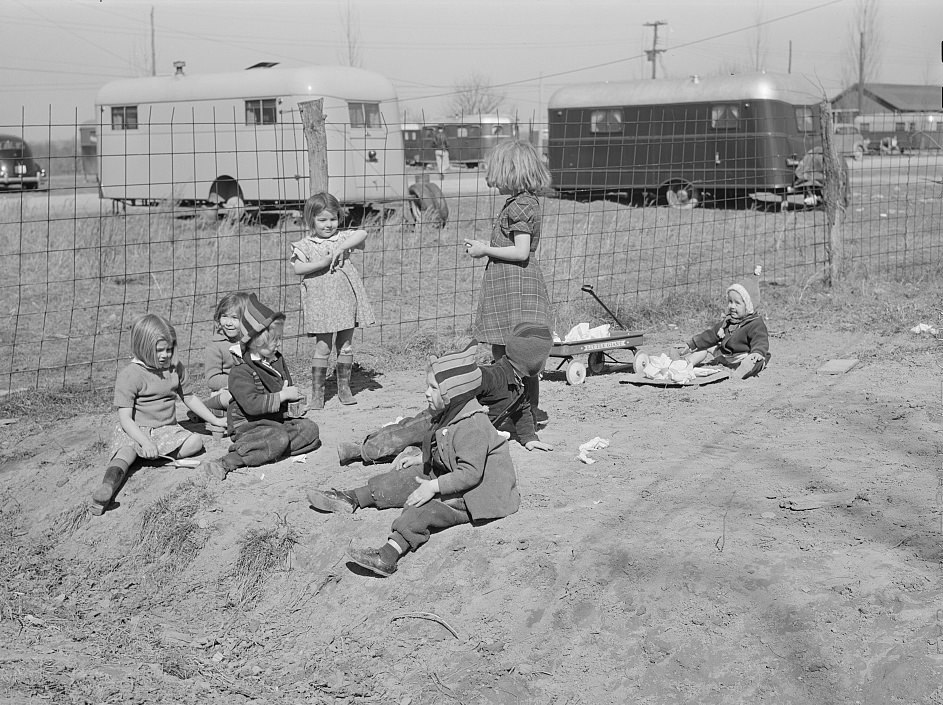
pixel 682 195
pixel 575 372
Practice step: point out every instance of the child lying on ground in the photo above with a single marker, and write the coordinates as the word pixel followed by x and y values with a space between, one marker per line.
pixel 463 474
pixel 501 392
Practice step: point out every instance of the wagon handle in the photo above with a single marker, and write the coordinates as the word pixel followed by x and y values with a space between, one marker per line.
pixel 588 288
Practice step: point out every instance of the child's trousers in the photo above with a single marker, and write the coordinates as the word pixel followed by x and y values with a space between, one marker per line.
pixel 412 528
pixel 384 444
pixel 266 441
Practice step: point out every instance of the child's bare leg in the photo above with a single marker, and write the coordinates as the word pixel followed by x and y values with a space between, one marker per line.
pixel 191 446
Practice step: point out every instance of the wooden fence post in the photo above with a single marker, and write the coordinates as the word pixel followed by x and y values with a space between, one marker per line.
pixel 312 117
pixel 835 193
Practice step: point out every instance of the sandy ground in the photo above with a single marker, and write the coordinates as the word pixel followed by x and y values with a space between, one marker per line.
pixel 769 541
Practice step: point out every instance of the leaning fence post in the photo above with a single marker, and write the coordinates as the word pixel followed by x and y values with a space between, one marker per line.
pixel 835 195
pixel 312 117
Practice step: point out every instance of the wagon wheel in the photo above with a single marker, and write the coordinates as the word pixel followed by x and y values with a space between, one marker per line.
pixel 682 195
pixel 596 363
pixel 575 372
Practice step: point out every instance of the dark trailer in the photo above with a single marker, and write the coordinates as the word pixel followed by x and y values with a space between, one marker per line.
pixel 680 142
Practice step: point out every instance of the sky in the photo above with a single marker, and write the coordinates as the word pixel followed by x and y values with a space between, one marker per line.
pixel 56 54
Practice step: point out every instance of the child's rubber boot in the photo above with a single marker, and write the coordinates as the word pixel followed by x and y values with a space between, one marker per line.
pixel 318 373
pixel 342 372
pixel 102 497
pixel 348 453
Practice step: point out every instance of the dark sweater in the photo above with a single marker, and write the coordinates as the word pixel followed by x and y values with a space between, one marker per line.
pixel 256 391
pixel 500 388
pixel 735 337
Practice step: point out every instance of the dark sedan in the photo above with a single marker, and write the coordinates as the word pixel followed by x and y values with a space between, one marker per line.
pixel 18 169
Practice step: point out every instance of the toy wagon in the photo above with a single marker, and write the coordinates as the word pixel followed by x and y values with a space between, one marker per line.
pixel 597 348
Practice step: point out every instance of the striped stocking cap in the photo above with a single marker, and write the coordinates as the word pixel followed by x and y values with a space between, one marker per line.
pixel 457 373
pixel 256 318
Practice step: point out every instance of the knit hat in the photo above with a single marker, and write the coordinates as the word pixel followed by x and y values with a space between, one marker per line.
pixel 457 373
pixel 528 347
pixel 749 289
pixel 256 318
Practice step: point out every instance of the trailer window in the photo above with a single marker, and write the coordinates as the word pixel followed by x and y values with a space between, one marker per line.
pixel 365 115
pixel 124 117
pixel 725 117
pixel 261 112
pixel 608 120
pixel 804 119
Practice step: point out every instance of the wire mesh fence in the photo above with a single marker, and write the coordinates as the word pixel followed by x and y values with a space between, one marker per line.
pixel 171 218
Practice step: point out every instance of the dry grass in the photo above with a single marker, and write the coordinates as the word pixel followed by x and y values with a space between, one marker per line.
pixel 169 535
pixel 70 520
pixel 261 552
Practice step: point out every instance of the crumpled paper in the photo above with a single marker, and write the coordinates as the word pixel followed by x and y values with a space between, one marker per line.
pixel 924 328
pixel 596 443
pixel 299 458
pixel 663 368
pixel 582 331
pixel 393 422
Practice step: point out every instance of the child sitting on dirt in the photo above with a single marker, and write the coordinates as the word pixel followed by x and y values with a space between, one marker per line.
pixel 501 392
pixel 218 354
pixel 740 340
pixel 463 474
pixel 146 394
pixel 261 388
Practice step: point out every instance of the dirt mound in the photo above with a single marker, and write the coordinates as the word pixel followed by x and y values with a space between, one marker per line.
pixel 685 565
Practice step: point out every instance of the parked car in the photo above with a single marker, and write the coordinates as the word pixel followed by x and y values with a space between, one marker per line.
pixel 850 141
pixel 18 169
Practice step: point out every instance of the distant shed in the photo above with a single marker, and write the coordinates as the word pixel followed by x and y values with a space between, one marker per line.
pixel 888 98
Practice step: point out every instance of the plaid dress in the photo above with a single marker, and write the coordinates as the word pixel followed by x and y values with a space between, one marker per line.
pixel 512 292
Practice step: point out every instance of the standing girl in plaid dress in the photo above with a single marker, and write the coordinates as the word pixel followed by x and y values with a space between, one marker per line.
pixel 333 298
pixel 513 289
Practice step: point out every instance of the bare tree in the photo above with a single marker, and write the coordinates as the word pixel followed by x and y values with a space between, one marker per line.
pixel 863 44
pixel 757 47
pixel 350 22
pixel 475 95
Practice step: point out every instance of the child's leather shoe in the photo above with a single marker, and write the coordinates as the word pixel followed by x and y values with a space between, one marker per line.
pixel 371 559
pixel 333 501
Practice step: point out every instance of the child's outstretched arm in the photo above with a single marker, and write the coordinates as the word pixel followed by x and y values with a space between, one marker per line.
pixel 130 426
pixel 196 405
pixel 518 252
pixel 302 265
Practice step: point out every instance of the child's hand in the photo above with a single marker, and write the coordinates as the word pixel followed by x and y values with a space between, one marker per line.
pixel 538 445
pixel 289 394
pixel 219 423
pixel 427 490
pixel 407 461
pixel 339 255
pixel 683 350
pixel 148 449
pixel 475 248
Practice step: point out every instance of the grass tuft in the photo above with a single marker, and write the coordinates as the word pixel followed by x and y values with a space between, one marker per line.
pixel 68 521
pixel 51 405
pixel 169 536
pixel 262 551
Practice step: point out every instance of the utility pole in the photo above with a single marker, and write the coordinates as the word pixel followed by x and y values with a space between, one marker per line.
pixel 653 53
pixel 860 71
pixel 153 48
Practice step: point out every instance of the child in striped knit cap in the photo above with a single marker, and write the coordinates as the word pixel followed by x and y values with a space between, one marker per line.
pixel 740 340
pixel 462 475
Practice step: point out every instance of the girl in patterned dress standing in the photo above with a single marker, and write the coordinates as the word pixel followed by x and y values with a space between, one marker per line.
pixel 333 298
pixel 513 289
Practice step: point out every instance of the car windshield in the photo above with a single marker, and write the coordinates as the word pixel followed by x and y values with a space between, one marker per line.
pixel 13 148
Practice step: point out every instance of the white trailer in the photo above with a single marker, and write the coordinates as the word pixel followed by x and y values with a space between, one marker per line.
pixel 238 137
